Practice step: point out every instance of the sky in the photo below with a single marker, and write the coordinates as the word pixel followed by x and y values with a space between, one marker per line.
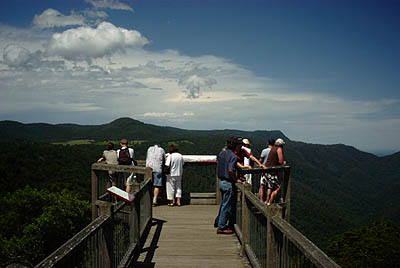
pixel 323 72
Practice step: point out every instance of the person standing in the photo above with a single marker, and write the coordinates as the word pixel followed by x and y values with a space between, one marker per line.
pixel 174 179
pixel 263 160
pixel 155 158
pixel 275 158
pixel 125 157
pixel 227 164
pixel 110 156
pixel 247 160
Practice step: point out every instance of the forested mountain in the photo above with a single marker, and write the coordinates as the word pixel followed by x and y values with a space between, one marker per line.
pixel 335 187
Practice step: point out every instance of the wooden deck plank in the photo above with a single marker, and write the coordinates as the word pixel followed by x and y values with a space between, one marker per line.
pixel 185 237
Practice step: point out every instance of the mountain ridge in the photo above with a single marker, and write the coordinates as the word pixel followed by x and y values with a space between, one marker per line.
pixel 337 185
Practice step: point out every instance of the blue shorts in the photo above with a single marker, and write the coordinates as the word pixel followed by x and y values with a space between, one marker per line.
pixel 157 179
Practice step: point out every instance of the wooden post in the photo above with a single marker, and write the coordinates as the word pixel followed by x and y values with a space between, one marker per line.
pixel 149 174
pixel 134 221
pixel 95 193
pixel 272 241
pixel 288 176
pixel 106 209
pixel 245 219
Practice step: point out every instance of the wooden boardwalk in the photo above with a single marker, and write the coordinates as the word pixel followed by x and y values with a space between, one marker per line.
pixel 185 237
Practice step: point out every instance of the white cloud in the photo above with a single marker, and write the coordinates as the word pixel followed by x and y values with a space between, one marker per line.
pixel 84 43
pixel 53 18
pixel 205 92
pixel 15 56
pixel 111 4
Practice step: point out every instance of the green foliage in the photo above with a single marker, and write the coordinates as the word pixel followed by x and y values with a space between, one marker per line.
pixel 334 187
pixel 36 222
pixel 377 246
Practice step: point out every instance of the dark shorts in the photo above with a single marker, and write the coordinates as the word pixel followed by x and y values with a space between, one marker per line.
pixel 157 179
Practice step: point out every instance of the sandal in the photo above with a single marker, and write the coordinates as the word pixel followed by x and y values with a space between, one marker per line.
pixel 170 204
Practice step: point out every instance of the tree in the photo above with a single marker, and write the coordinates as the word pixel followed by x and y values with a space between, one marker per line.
pixel 376 246
pixel 51 218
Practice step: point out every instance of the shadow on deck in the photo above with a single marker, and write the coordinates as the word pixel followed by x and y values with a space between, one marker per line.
pixel 185 237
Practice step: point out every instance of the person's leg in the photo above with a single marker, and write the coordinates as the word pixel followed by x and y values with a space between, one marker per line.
pixel 226 204
pixel 274 194
pixel 157 183
pixel 170 191
pixel 248 178
pixel 129 182
pixel 269 191
pixel 261 193
pixel 155 195
pixel 178 185
pixel 235 200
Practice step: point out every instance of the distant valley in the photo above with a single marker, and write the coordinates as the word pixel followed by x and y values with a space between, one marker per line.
pixel 335 187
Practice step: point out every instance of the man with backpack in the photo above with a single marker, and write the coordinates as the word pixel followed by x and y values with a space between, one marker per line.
pixel 125 157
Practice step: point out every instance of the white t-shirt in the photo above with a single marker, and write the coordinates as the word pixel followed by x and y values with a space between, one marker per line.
pixel 155 157
pixel 246 160
pixel 175 162
pixel 264 155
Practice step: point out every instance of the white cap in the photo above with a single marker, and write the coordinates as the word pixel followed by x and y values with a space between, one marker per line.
pixel 246 141
pixel 279 142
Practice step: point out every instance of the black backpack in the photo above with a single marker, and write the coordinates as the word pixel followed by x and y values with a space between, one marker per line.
pixel 124 157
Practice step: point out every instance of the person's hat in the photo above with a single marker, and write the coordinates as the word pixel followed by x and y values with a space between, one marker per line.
pixel 124 141
pixel 279 142
pixel 246 141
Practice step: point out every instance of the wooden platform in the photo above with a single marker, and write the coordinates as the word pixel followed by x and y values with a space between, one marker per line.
pixel 185 237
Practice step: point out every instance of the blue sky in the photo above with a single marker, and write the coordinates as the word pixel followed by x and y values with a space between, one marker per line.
pixel 320 71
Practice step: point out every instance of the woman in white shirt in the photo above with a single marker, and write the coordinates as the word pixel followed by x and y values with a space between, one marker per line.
pixel 174 179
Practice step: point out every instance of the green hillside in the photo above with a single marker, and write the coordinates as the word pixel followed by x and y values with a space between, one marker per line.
pixel 335 187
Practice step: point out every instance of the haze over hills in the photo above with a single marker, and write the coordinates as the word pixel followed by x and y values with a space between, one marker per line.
pixel 335 187
pixel 123 127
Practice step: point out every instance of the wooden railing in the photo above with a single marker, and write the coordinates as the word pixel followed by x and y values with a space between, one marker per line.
pixel 266 236
pixel 113 236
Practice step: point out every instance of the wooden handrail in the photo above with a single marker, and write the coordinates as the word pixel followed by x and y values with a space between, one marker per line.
pixel 311 251
pixel 69 246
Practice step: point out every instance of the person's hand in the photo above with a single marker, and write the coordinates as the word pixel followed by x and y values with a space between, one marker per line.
pixel 263 166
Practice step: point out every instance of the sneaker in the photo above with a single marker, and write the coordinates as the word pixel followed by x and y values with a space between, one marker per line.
pixel 225 231
pixel 155 204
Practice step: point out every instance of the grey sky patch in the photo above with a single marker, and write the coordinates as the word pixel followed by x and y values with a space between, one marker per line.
pixel 249 95
pixel 195 83
pixel 111 4
pixel 16 56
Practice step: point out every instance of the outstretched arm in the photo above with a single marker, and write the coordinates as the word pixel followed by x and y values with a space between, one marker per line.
pixel 257 161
